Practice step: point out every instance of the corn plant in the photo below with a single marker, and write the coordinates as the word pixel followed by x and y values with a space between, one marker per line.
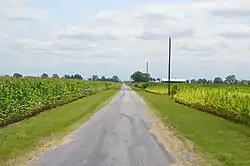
pixel 21 98
pixel 228 101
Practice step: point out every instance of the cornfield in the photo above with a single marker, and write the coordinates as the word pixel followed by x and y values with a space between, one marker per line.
pixel 22 98
pixel 228 101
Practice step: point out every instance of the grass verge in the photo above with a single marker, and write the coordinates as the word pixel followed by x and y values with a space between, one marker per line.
pixel 224 141
pixel 19 141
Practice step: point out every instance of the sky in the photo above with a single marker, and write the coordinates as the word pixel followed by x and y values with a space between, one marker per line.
pixel 210 38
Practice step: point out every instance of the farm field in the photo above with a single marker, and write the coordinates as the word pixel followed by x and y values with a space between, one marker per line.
pixel 228 101
pixel 217 140
pixel 26 139
pixel 22 98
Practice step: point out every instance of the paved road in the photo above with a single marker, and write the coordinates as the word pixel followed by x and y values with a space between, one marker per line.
pixel 118 135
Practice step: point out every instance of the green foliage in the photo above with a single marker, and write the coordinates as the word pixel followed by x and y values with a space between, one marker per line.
pixel 219 141
pixel 140 77
pixel 143 85
pixel 19 142
pixel 25 97
pixel 174 90
pixel 231 102
pixel 228 101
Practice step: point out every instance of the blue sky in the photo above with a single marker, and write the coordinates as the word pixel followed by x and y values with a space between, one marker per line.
pixel 210 38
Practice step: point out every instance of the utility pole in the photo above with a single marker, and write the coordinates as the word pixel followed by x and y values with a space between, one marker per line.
pixel 169 64
pixel 147 68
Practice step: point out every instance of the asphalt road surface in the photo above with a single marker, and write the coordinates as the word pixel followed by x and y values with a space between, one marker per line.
pixel 118 135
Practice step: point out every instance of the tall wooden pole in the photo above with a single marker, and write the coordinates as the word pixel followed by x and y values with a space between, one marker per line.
pixel 169 64
pixel 147 68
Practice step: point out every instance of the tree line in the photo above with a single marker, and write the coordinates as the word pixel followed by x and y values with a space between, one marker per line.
pixel 75 76
pixel 103 78
pixel 230 79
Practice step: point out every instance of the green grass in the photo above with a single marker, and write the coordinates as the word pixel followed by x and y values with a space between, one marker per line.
pixel 225 141
pixel 20 139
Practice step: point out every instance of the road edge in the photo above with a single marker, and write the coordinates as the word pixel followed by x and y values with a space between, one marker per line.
pixel 182 149
pixel 57 139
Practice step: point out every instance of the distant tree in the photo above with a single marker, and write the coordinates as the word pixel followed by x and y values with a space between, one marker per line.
pixel 209 81
pixel 137 76
pixel 187 81
pixel 146 77
pixel 7 76
pixel 152 79
pixel 78 76
pixel 140 77
pixel 44 75
pixel 66 76
pixel 55 76
pixel 115 79
pixel 95 78
pixel 30 77
pixel 109 79
pixel 231 79
pixel 243 82
pixel 17 75
pixel 236 82
pixel 218 80
pixel 89 79
pixel 202 81
pixel 193 81
pixel 103 78
pixel 158 79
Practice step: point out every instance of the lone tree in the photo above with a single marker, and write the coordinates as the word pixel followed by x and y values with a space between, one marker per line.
pixel 44 75
pixel 103 78
pixel 218 80
pixel 95 78
pixel 231 79
pixel 55 76
pixel 140 77
pixel 77 76
pixel 17 75
pixel 115 79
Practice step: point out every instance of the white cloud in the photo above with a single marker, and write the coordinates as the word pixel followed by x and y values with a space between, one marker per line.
pixel 210 38
pixel 19 10
pixel 233 31
pixel 85 34
pixel 231 8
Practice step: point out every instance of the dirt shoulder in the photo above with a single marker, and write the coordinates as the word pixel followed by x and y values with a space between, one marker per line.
pixel 182 150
